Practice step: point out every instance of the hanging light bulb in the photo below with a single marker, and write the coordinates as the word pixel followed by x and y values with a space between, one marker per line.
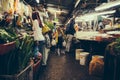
pixel 59 10
pixel 37 1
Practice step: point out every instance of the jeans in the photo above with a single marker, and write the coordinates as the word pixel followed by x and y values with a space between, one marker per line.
pixel 42 51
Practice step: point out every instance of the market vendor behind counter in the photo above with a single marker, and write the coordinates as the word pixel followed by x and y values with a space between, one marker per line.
pixel 110 27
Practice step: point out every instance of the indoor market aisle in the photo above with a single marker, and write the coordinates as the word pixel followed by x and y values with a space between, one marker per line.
pixel 64 67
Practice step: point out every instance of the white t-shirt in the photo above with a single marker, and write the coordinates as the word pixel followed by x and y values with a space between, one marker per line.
pixel 38 36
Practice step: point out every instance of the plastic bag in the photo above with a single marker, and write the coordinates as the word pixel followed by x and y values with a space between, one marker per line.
pixel 64 43
pixel 37 54
pixel 53 43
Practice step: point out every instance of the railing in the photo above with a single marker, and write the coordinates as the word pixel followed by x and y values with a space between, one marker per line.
pixel 26 74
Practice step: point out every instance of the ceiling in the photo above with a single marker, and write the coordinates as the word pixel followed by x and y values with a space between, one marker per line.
pixel 62 8
pixel 69 8
pixel 65 9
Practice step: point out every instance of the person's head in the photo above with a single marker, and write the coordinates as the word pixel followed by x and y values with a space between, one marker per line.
pixel 58 28
pixel 54 24
pixel 34 8
pixel 35 15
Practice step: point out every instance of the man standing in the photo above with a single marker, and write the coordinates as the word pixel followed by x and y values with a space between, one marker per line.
pixel 70 33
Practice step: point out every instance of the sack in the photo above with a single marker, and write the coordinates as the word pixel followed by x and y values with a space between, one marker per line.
pixel 96 66
pixel 64 43
pixel 53 43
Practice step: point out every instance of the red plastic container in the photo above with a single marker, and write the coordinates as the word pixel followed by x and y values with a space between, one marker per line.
pixel 5 48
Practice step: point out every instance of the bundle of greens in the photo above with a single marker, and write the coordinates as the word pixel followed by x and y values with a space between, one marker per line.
pixel 117 46
pixel 7 35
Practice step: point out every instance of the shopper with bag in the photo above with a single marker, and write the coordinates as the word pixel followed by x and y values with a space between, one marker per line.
pixel 59 40
pixel 70 31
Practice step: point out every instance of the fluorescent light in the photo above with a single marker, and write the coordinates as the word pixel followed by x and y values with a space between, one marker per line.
pixel 108 5
pixel 55 10
pixel 105 16
pixel 99 13
pixel 106 12
pixel 92 16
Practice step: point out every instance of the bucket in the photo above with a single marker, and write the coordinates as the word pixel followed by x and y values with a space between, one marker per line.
pixel 83 58
pixel 77 54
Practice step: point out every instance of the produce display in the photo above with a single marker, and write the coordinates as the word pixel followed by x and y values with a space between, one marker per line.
pixel 6 36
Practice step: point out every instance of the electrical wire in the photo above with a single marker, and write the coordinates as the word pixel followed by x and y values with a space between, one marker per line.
pixel 27 2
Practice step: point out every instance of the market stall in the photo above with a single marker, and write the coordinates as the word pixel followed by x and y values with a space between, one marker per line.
pixel 16 41
pixel 94 42
pixel 98 38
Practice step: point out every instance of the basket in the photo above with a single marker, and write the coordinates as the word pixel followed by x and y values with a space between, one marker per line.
pixel 7 47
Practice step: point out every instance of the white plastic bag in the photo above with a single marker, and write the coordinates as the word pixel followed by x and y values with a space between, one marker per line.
pixel 64 43
pixel 53 43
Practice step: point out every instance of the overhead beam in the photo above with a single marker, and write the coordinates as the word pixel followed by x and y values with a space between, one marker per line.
pixel 71 11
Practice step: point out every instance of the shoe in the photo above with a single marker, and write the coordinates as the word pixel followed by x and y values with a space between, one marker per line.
pixel 63 52
pixel 44 65
pixel 66 52
pixel 58 53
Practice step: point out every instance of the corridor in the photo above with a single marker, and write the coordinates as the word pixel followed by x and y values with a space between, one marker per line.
pixel 64 67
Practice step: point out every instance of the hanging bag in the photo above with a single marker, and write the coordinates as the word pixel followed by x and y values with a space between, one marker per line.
pixel 53 43
pixel 64 43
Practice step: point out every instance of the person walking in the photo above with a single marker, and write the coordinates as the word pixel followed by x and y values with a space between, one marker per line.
pixel 59 40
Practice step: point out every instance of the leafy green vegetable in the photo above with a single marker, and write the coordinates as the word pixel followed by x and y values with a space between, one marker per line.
pixel 49 24
pixel 25 51
pixel 7 35
pixel 117 46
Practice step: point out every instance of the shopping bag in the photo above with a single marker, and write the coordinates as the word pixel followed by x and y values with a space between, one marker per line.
pixel 53 43
pixel 64 43
pixel 37 54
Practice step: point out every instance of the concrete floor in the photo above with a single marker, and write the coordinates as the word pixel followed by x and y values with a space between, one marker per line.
pixel 64 67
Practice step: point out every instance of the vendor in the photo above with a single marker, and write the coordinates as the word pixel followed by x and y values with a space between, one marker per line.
pixel 101 25
pixel 109 25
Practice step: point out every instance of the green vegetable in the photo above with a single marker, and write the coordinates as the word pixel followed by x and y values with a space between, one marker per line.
pixel 7 35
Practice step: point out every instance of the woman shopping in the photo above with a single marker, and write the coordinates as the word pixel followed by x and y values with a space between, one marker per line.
pixel 38 36
pixel 59 37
